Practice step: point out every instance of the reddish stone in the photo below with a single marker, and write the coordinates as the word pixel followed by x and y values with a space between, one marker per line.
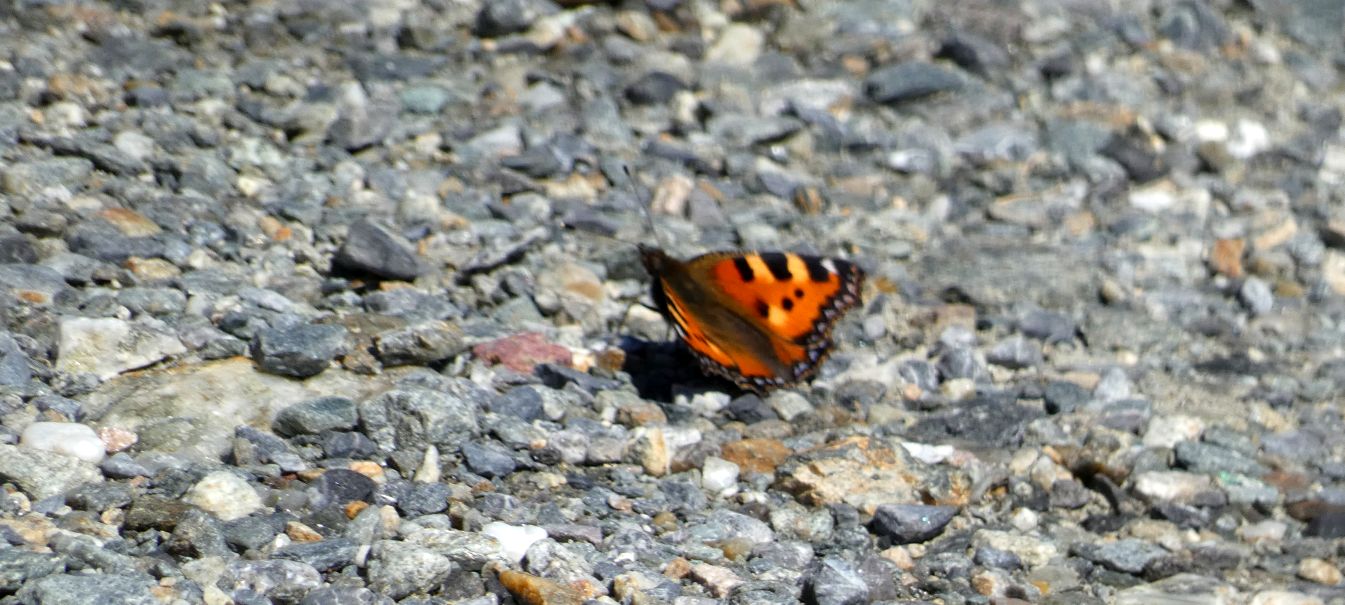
pixel 522 352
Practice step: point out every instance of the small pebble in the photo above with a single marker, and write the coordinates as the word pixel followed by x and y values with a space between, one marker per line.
pixel 67 438
pixel 225 495
pixel 514 539
pixel 1319 571
pixel 718 475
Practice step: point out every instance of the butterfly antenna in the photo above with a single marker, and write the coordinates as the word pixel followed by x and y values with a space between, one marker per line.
pixel 645 207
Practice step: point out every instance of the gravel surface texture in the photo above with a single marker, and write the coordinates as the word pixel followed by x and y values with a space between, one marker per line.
pixel 320 303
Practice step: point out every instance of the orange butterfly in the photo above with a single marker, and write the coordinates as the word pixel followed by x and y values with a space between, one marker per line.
pixel 762 320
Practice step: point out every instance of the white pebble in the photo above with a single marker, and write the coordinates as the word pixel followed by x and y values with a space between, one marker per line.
pixel 69 438
pixel 1283 597
pixel 929 454
pixel 709 403
pixel 1168 431
pixel 1171 486
pixel 514 539
pixel 1024 519
pixel 1249 139
pixel 1269 530
pixel 224 495
pixel 134 144
pixel 1154 198
pixel 789 404
pixel 1211 131
pixel 718 474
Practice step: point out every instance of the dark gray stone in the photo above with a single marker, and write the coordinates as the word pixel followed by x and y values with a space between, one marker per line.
pixel 419 344
pixel 19 568
pixel 987 556
pixel 654 88
pixel 425 499
pixel 14 370
pixel 342 444
pixel 375 249
pixel 538 162
pixel 961 362
pixel 1048 326
pixel 750 409
pixel 410 304
pixel 1127 556
pixel 1193 24
pixel 316 416
pixel 345 595
pixel 252 532
pixel 198 534
pixel 98 497
pixel 1015 353
pixel 911 81
pixel 415 418
pixel 1134 152
pixel 1299 445
pixel 974 53
pixel 997 142
pixel 300 351
pixel 121 466
pixel 525 403
pixel 1126 415
pixel 1256 296
pixel 1209 458
pixel 398 569
pixel 124 56
pixel 340 486
pixel 910 523
pixel 1069 494
pixel 920 373
pixel 323 555
pixel 511 16
pixel 834 581
pixel 362 125
pixel 488 460
pixel 152 301
pixel 93 589
pixel 207 175
pixel 16 248
pixel 104 157
pixel 99 240
pixel 278 579
pixel 34 284
pixel 22 178
pixel 369 66
pixel 1062 396
pixel 64 406
pixel 153 511
pixel 88 552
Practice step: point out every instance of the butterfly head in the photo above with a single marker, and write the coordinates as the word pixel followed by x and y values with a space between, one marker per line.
pixel 655 260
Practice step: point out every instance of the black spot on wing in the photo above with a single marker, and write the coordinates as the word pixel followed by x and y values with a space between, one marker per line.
pixel 787 303
pixel 763 309
pixel 778 263
pixel 816 270
pixel 744 269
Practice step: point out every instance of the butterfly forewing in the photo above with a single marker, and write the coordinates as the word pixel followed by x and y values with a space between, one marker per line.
pixel 798 297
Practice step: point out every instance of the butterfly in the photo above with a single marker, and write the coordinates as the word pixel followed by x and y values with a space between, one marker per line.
pixel 760 319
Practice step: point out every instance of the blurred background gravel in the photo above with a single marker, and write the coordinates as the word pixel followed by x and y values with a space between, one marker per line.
pixel 318 302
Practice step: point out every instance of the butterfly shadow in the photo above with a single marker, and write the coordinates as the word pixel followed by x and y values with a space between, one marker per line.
pixel 661 369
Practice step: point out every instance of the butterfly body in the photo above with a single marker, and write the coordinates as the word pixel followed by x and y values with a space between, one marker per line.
pixel 762 320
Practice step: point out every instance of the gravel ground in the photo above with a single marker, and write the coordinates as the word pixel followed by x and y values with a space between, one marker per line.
pixel 325 302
